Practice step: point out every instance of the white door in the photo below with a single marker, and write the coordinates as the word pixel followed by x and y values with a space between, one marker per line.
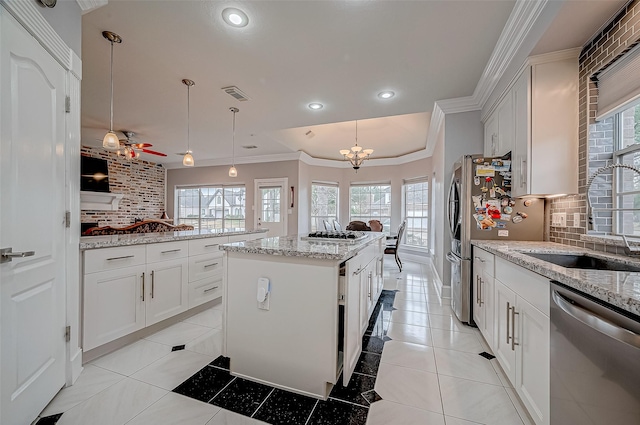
pixel 271 206
pixel 32 193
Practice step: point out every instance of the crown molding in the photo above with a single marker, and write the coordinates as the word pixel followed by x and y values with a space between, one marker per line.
pixel 27 13
pixel 89 5
pixel 436 124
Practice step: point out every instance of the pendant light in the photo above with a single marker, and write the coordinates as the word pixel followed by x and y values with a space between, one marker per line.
pixel 110 140
pixel 187 160
pixel 232 171
pixel 356 155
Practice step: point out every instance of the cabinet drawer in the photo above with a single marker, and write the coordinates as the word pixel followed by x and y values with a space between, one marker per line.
pixel 98 260
pixel 205 265
pixel 530 286
pixel 167 251
pixel 486 259
pixel 205 290
pixel 206 245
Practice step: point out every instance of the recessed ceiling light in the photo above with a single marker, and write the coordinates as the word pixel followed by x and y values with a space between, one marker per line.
pixel 386 94
pixel 316 106
pixel 235 17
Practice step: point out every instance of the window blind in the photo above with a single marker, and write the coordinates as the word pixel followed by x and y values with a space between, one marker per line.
pixel 619 85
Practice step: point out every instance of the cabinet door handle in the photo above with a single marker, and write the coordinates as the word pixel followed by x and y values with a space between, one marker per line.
pixel 209 246
pixel 210 265
pixel 508 317
pixel 153 281
pixel 120 258
pixel 513 328
pixel 358 271
pixel 142 286
pixel 477 289
pixel 209 289
pixel 169 251
pixel 480 292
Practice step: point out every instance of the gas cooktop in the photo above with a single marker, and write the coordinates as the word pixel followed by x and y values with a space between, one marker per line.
pixel 336 236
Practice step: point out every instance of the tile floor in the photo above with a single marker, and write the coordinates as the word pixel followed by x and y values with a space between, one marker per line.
pixel 429 373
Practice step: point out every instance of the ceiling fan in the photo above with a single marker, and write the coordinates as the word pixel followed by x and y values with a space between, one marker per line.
pixel 129 148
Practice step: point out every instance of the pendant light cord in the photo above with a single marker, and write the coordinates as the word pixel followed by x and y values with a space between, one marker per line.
pixel 188 118
pixel 111 119
pixel 233 158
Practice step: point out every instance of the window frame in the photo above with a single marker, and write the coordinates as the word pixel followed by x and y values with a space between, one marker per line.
pixel 619 153
pixel 405 212
pixel 386 223
pixel 314 219
pixel 202 210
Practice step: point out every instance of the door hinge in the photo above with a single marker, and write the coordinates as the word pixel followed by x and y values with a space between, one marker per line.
pixel 67 219
pixel 67 104
pixel 67 333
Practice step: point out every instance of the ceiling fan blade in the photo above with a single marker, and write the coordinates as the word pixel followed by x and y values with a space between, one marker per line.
pixel 153 152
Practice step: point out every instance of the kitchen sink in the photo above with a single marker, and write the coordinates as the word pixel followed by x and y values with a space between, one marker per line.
pixel 574 261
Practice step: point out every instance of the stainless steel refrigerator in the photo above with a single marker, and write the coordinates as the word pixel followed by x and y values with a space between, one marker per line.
pixel 480 207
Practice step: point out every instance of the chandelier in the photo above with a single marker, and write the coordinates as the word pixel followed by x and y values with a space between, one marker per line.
pixel 356 155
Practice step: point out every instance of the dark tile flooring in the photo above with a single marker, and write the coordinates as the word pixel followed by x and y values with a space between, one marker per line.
pixel 345 405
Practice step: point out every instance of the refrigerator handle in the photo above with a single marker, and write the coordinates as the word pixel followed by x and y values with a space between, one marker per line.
pixel 451 257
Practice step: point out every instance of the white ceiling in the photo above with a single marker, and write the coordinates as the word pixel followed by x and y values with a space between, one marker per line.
pixel 339 53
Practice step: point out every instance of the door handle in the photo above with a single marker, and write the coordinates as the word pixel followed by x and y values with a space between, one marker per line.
pixel 508 317
pixel 153 281
pixel 7 255
pixel 143 286
pixel 513 328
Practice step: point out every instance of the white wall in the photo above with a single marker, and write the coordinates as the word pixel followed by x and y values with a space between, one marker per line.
pixel 462 134
pixel 66 20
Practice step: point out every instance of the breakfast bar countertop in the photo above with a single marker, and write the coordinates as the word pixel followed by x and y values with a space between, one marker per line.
pixel 295 246
pixel 94 242
pixel 621 289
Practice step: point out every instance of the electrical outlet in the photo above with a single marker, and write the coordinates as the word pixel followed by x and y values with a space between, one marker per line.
pixel 559 219
pixel 576 219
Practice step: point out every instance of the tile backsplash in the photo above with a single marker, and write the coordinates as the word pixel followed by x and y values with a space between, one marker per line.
pixel 141 182
pixel 619 36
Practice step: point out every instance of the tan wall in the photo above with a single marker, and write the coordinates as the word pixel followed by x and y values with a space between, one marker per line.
pixel 247 173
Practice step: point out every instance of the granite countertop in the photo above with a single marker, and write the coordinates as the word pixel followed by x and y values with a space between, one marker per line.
pixel 294 246
pixel 93 242
pixel 621 289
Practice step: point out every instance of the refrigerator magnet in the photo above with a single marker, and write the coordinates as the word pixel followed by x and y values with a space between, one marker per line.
pixel 517 219
pixel 476 180
pixel 528 202
pixel 512 203
pixel 523 215
pixel 501 225
pixel 504 202
pixel 507 210
pixel 485 171
pixel 506 217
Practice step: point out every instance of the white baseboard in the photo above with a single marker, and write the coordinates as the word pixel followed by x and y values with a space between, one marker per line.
pixel 75 363
pixel 444 291
pixel 416 258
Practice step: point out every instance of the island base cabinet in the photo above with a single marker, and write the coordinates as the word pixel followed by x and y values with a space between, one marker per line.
pixel 113 305
pixel 353 302
pixel 167 291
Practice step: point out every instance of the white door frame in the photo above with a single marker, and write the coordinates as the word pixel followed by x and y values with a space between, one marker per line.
pixel 284 206
pixel 27 13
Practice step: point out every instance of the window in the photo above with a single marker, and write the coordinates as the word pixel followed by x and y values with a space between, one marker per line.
pixel 211 207
pixel 627 182
pixel 324 204
pixel 416 210
pixel 371 202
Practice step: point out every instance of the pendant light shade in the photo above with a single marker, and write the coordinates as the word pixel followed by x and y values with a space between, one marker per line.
pixel 187 160
pixel 111 141
pixel 232 171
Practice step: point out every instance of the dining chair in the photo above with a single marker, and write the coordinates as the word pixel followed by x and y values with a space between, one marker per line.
pixel 392 248
pixel 337 226
pixel 327 225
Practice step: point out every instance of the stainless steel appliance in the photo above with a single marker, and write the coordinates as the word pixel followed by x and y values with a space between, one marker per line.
pixel 480 207
pixel 595 361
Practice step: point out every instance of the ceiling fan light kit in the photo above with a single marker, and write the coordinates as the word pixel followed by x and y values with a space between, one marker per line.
pixel 111 141
pixel 233 172
pixel 356 155
pixel 188 160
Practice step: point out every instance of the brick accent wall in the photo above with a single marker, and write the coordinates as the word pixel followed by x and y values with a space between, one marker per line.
pixel 141 182
pixel 595 140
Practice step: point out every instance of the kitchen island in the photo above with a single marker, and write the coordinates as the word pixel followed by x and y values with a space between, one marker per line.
pixel 296 310
pixel 137 283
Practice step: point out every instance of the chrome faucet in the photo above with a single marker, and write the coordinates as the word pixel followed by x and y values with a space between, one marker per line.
pixel 629 249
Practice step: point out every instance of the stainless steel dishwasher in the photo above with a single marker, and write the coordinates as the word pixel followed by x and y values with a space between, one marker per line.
pixel 595 361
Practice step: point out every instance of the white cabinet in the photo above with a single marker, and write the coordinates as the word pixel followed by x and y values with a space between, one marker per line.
pixel 521 342
pixel 167 290
pixel 545 105
pixel 113 304
pixel 498 130
pixel 352 345
pixel 483 292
